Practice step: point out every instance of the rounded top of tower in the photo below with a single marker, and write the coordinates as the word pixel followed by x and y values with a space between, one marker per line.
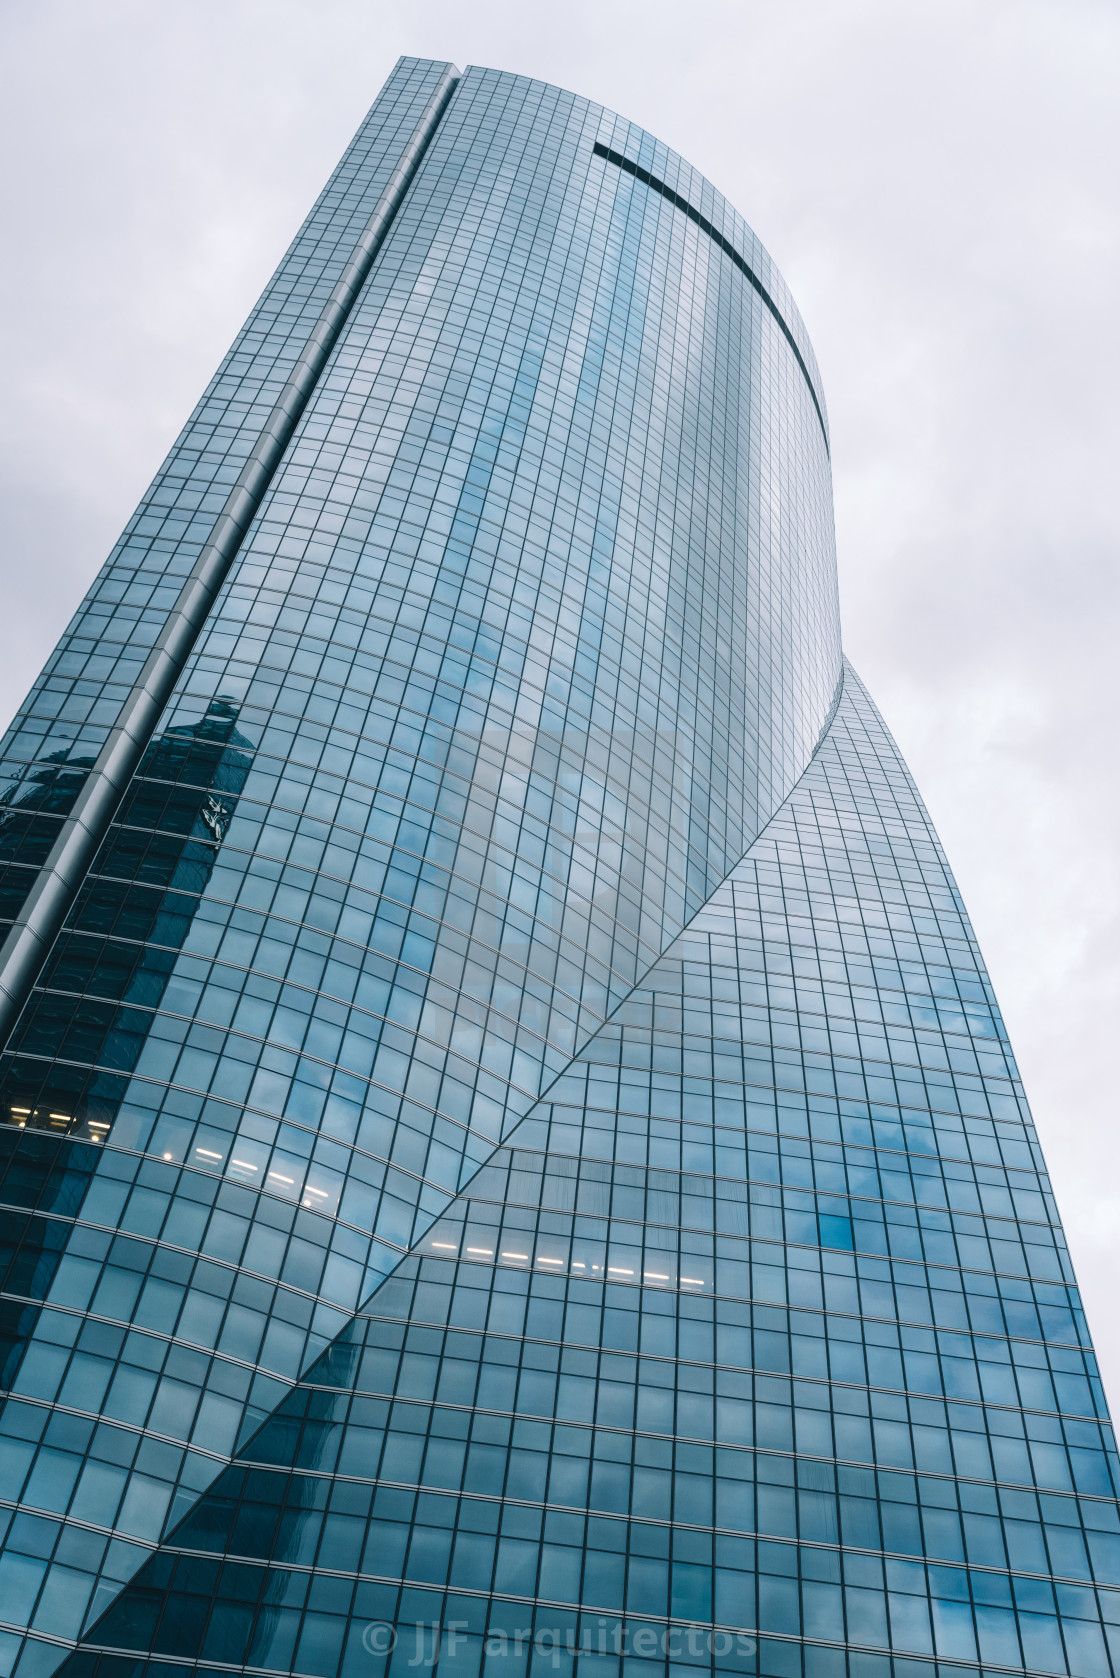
pixel 639 153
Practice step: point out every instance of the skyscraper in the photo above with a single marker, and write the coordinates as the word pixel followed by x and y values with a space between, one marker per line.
pixel 511 1156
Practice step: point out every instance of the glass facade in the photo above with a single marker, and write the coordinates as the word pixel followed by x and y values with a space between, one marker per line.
pixel 511 1159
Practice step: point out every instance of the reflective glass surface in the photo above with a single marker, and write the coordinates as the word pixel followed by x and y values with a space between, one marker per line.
pixel 513 1158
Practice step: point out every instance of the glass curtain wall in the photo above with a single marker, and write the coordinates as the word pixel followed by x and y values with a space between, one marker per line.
pixel 513 1106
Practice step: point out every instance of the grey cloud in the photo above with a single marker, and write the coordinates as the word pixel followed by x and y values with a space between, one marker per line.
pixel 939 184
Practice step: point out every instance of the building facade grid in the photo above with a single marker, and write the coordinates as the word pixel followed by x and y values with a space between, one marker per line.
pixel 513 1159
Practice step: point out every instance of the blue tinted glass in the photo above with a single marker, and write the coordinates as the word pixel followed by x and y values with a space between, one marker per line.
pixel 835 1231
pixel 512 1161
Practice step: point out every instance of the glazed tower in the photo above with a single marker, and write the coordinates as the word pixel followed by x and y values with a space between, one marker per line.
pixel 510 1156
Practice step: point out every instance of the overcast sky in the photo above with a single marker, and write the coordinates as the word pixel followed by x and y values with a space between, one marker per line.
pixel 939 183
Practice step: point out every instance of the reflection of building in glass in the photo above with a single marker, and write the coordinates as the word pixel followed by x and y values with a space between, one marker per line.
pixel 119 947
pixel 513 1160
pixel 109 969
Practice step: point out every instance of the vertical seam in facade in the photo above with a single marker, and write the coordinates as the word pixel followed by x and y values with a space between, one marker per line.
pixel 49 901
